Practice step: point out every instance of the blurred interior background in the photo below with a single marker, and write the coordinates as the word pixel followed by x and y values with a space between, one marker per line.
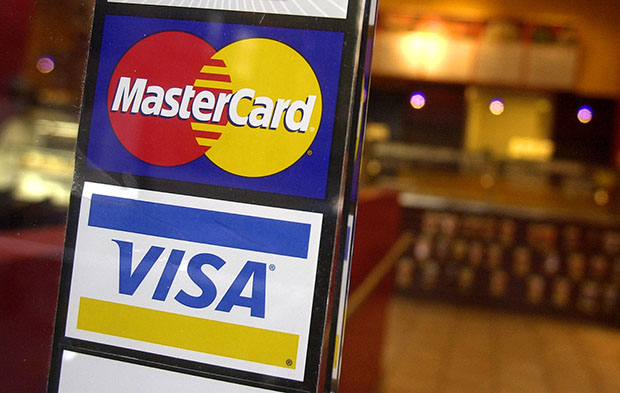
pixel 490 188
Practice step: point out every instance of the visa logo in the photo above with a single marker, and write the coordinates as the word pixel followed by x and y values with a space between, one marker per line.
pixel 252 273
pixel 200 226
pixel 218 282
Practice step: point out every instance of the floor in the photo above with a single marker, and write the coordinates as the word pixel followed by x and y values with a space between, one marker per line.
pixel 440 348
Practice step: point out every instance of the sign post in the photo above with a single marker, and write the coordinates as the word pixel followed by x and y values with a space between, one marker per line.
pixel 213 198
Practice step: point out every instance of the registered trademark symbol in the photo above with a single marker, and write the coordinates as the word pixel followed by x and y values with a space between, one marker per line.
pixel 312 129
pixel 272 267
pixel 309 152
pixel 289 362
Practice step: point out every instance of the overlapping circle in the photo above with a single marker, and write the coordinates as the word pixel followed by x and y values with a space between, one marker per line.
pixel 153 108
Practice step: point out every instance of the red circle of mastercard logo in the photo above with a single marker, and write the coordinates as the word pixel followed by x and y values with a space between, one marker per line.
pixel 253 108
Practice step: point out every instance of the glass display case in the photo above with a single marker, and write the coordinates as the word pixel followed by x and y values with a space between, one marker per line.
pixel 532 236
pixel 36 157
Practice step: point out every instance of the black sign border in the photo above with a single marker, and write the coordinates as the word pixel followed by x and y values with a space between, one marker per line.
pixel 334 207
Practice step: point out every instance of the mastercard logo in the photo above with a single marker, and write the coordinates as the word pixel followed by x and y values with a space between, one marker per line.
pixel 253 108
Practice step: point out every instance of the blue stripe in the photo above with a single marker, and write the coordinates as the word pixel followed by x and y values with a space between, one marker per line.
pixel 200 226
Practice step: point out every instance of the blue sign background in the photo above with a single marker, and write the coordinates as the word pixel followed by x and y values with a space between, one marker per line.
pixel 307 178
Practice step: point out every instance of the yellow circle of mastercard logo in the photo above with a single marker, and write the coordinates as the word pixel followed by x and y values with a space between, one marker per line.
pixel 253 108
pixel 282 124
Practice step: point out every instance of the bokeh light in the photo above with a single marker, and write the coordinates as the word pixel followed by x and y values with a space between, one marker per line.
pixel 584 114
pixel 424 51
pixel 496 106
pixel 601 197
pixel 45 64
pixel 417 100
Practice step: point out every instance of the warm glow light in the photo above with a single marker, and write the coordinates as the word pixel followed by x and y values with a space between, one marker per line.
pixel 417 100
pixel 45 64
pixel 584 114
pixel 496 106
pixel 536 149
pixel 424 51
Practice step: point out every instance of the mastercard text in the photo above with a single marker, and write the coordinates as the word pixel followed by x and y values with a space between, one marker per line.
pixel 138 97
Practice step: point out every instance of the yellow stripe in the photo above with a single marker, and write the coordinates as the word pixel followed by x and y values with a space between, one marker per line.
pixel 212 84
pixel 336 352
pixel 190 333
pixel 212 70
pixel 205 141
pixel 205 127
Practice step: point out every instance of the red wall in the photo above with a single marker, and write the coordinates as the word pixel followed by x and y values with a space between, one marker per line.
pixel 14 29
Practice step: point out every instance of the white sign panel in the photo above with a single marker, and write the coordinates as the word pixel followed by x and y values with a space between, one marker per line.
pixel 222 283
pixel 84 373
pixel 321 8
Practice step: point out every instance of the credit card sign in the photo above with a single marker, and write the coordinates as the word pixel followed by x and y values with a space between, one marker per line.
pixel 321 8
pixel 216 282
pixel 248 107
